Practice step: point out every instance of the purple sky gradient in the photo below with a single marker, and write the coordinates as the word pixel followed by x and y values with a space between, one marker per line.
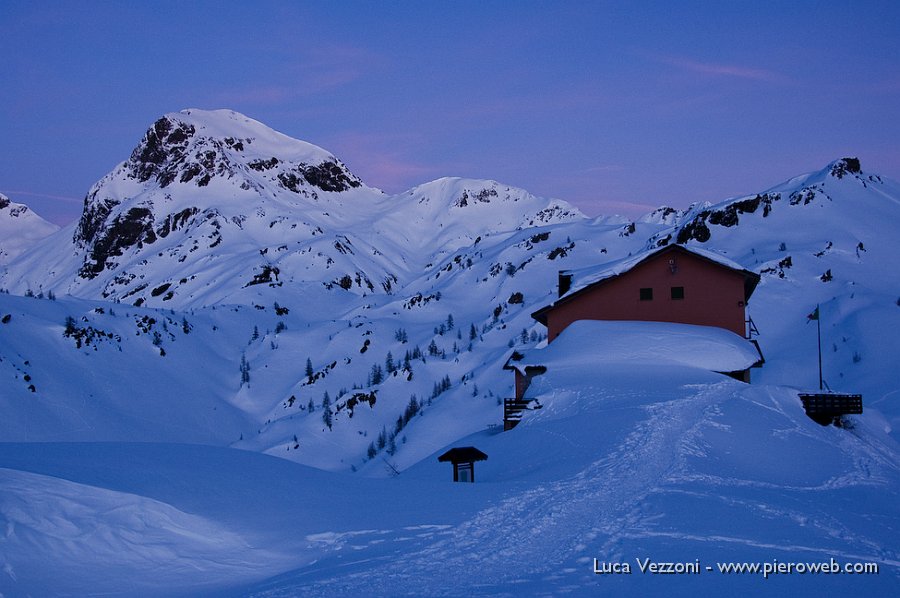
pixel 617 107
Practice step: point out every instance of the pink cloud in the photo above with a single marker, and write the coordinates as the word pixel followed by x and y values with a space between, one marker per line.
pixel 723 70
pixel 611 207
pixel 385 161
pixel 312 71
pixel 604 168
pixel 64 198
pixel 255 95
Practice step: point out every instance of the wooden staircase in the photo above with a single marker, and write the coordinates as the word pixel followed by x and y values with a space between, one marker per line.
pixel 828 407
pixel 513 410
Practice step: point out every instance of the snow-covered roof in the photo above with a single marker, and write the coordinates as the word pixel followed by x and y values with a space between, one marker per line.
pixel 583 278
pixel 588 343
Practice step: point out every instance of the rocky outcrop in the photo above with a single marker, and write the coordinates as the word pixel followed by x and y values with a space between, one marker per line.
pixel 132 229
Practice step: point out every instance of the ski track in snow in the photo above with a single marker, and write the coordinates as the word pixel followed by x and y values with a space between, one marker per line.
pixel 544 539
pixel 530 534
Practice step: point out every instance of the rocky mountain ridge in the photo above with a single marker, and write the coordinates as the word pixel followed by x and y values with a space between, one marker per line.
pixel 216 191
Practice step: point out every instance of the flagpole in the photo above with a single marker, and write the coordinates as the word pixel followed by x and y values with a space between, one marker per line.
pixel 819 334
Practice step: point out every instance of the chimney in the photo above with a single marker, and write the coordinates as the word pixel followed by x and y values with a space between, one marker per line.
pixel 565 282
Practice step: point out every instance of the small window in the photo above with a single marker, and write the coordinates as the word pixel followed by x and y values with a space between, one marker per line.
pixel 677 292
pixel 646 294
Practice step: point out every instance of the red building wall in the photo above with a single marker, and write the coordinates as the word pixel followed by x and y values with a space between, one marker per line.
pixel 713 296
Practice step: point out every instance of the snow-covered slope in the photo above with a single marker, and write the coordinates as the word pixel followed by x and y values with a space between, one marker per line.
pixel 20 228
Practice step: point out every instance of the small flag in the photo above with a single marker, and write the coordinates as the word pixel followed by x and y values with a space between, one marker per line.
pixel 813 316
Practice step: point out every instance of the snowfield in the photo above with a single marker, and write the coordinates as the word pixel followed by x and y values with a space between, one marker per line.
pixel 234 376
pixel 687 466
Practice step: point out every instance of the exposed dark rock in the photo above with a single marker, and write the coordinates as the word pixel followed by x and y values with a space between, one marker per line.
pixel 163 146
pixel 562 251
pixel 727 216
pixel 160 289
pixel 163 155
pixel 261 165
pixel 329 176
pixel 778 270
pixel 207 159
pixel 266 276
pixel 539 237
pixel 190 171
pixel 804 196
pixel 483 196
pixel 134 228
pixel 290 181
pixel 845 166
pixel 3 202
pixel 235 144
pixel 93 217
pixel 663 213
pixel 695 229
pixel 176 221
pixel 419 300
pixel 344 247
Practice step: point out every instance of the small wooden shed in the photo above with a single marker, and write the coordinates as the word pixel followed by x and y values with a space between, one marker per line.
pixel 463 459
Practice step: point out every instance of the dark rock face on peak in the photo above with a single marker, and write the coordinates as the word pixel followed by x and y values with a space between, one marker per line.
pixel 3 201
pixel 175 151
pixel 163 147
pixel 697 228
pixel 330 176
pixel 327 176
pixel 172 151
pixel 482 196
pixel 845 166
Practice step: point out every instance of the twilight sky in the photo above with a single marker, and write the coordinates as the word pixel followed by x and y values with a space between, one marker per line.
pixel 617 107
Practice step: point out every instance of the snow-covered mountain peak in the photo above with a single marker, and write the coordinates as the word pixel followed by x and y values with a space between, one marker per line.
pixel 452 212
pixel 193 146
pixel 661 215
pixel 839 190
pixel 222 124
pixel 478 199
pixel 844 166
pixel 843 169
pixel 195 161
pixel 20 228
